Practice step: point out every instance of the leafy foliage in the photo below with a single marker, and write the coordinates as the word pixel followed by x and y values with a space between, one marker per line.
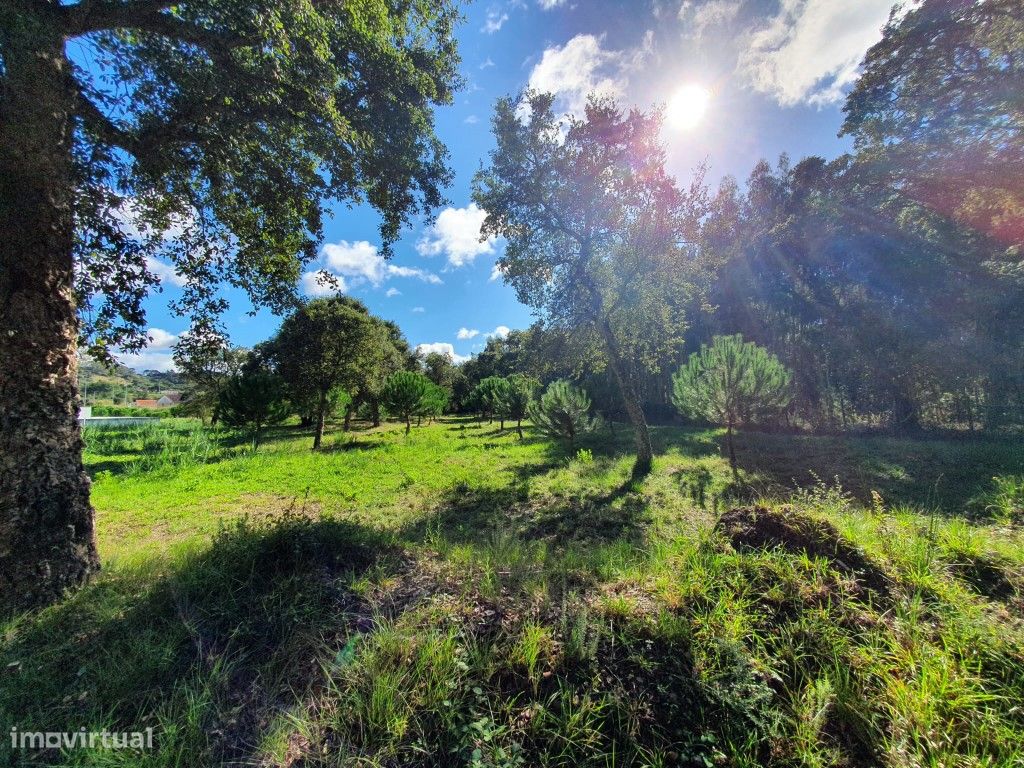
pixel 231 124
pixel 405 394
pixel 731 382
pixel 588 209
pixel 937 112
pixel 562 412
pixel 253 400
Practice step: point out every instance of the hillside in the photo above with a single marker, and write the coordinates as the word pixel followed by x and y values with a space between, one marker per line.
pixel 101 385
pixel 461 597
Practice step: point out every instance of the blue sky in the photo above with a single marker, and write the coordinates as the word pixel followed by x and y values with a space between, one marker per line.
pixel 774 72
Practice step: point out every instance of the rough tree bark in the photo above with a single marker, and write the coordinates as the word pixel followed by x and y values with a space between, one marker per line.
pixel 47 544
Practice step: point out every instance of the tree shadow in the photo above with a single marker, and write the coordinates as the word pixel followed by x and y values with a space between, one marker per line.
pixel 222 641
pixel 468 514
pixel 938 474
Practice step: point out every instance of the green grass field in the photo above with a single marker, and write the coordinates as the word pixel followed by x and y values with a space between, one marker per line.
pixel 460 597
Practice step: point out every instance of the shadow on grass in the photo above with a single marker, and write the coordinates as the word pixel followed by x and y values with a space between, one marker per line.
pixel 204 654
pixel 942 475
pixel 467 514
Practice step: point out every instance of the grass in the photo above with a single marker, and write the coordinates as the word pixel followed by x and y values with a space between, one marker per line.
pixel 461 597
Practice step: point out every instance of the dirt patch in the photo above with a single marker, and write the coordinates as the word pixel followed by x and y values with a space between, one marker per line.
pixel 763 528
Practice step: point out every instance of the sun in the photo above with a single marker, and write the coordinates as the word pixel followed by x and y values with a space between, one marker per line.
pixel 687 107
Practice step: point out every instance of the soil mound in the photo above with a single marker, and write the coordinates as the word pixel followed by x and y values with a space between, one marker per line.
pixel 763 528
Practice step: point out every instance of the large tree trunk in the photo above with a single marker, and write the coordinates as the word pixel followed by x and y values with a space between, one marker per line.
pixel 47 543
pixel 641 435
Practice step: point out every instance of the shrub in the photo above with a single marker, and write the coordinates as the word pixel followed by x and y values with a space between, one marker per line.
pixel 563 412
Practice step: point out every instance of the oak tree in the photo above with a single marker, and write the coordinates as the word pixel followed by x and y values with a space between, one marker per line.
pixel 208 134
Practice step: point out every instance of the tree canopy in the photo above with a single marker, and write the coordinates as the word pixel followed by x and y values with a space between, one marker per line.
pixel 588 209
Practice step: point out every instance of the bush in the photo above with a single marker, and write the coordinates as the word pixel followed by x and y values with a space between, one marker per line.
pixel 562 412
pixel 134 411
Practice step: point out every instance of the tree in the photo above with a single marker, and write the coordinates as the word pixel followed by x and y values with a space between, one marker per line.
pixel 253 400
pixel 434 402
pixel 937 111
pixel 731 382
pixel 206 364
pixel 440 369
pixel 596 231
pixel 514 399
pixel 563 412
pixel 486 396
pixel 390 353
pixel 320 350
pixel 205 133
pixel 404 394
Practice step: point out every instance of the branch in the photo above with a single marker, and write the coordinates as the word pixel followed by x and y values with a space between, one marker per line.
pixel 147 16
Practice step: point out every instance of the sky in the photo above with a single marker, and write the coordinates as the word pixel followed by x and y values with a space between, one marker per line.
pixel 743 80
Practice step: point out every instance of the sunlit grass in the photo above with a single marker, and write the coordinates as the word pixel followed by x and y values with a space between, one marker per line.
pixel 461 597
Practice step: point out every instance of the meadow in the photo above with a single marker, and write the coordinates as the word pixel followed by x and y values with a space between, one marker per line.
pixel 463 597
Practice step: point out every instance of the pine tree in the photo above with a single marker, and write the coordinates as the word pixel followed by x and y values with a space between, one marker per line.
pixel 404 394
pixel 514 397
pixel 563 412
pixel 253 400
pixel 731 382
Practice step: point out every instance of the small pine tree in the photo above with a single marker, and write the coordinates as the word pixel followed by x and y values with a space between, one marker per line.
pixel 434 402
pixel 403 395
pixel 514 398
pixel 732 382
pixel 252 400
pixel 562 412
pixel 486 396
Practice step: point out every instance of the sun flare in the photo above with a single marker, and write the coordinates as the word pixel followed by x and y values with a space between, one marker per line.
pixel 687 107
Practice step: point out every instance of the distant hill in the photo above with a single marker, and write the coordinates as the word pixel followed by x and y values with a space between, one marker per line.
pixel 100 385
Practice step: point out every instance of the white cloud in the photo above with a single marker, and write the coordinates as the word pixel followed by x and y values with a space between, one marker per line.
pixel 487 63
pixel 500 332
pixel 160 339
pixel 496 272
pixel 471 120
pixel 392 292
pixel 444 348
pixel 698 16
pixel 456 234
pixel 547 5
pixel 577 69
pixel 418 310
pixel 148 361
pixel 165 273
pixel 356 263
pixel 466 333
pixel 810 51
pixel 156 355
pixel 313 284
pixel 495 20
